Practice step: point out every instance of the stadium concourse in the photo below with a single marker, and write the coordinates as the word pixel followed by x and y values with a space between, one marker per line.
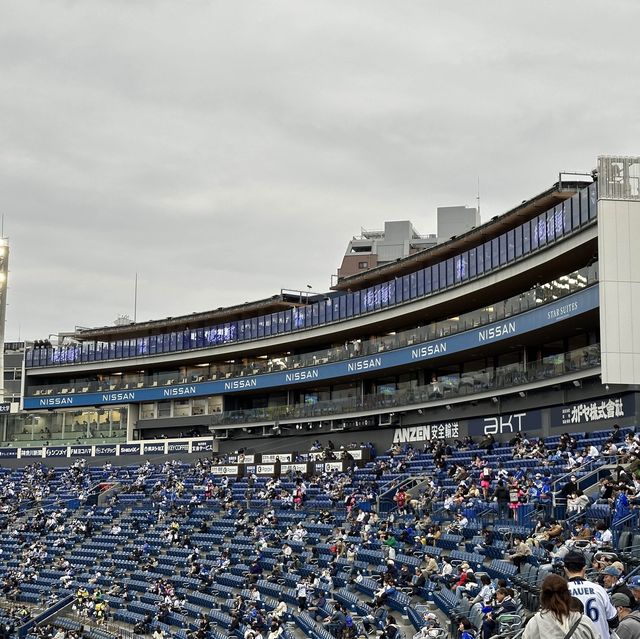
pixel 453 539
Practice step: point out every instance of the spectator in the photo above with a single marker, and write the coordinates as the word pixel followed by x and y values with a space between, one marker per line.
pixel 629 626
pixel 556 619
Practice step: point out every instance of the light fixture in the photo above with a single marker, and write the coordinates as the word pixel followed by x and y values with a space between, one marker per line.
pixel 577 383
pixel 522 394
pixel 448 406
pixel 494 400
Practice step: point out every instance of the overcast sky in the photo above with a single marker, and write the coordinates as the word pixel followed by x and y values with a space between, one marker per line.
pixel 226 150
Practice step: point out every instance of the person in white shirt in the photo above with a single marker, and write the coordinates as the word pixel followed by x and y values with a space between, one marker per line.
pixel 594 598
pixel 487 591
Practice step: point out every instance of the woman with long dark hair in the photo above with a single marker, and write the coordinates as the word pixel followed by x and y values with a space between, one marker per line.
pixel 557 618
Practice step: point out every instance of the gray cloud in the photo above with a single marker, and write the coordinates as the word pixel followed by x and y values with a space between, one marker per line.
pixel 226 150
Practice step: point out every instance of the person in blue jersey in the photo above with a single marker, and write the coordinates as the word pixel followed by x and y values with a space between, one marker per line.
pixel 621 507
pixel 594 598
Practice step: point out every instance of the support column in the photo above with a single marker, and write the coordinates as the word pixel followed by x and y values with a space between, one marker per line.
pixel 133 413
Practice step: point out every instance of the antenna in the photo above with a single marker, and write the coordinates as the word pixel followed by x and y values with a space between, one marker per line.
pixel 478 197
pixel 135 299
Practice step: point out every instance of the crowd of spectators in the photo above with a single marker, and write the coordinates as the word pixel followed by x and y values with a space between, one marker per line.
pixel 411 528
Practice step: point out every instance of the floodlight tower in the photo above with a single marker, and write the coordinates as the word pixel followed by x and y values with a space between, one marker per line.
pixel 4 273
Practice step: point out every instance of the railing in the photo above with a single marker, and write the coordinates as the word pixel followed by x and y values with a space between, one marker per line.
pixel 632 521
pixel 548 228
pixel 44 616
pixel 503 309
pixel 385 503
pixel 448 387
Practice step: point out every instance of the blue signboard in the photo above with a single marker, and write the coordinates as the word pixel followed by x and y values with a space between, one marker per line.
pixel 80 451
pixel 566 308
pixel 178 447
pixel 588 411
pixel 105 449
pixel 129 449
pixel 153 449
pixel 202 447
pixel 8 452
pixel 56 451
pixel 31 452
pixel 521 422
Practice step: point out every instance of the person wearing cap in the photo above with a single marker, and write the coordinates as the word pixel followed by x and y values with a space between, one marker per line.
pixel 594 597
pixel 612 580
pixel 634 587
pixel 629 626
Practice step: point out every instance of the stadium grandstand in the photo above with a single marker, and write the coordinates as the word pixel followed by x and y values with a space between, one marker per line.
pixel 422 451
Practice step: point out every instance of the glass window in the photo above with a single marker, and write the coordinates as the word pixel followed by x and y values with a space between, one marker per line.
pixel 442 267
pixel 298 318
pixel 336 308
pixel 542 229
pixel 472 262
pixel 450 271
pixel 558 214
pixel 343 307
pixel 363 301
pixel 406 288
pixel 314 314
pixel 511 245
pixel 288 320
pixel 526 238
pixel 575 213
pixel 457 267
pixel 534 234
pixel 356 304
pixel 480 260
pixel 391 288
pixel 487 256
pixel 435 278
pixel 427 280
pixel 172 341
pixel 397 285
pixel 584 206
pixel 517 235
pixel 551 225
pixel 307 317
pixel 566 216
pixel 502 242
pixel 495 253
pixel 329 311
pixel 377 296
pixel 322 312
pixel 349 297
pixel 420 283
pixel 413 285
pixel 593 200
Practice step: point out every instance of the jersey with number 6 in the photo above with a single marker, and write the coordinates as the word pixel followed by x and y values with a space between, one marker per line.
pixel 596 602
